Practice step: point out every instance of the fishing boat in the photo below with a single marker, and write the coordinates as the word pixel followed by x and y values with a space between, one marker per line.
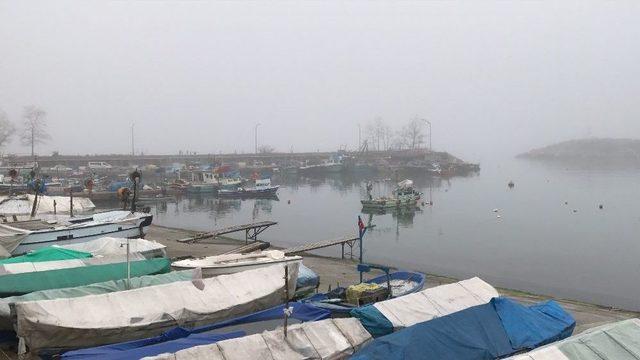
pixel 262 188
pixel 180 338
pixel 25 277
pixel 138 313
pixel 107 246
pixel 339 301
pixel 403 196
pixel 233 263
pixel 324 339
pixel 332 165
pixel 20 237
pixel 6 322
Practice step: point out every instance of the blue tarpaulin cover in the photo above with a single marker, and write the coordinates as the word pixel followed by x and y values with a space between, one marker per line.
pixel 179 338
pixel 535 325
pixel 499 328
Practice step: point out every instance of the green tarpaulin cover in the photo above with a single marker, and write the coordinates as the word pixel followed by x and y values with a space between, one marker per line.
pixel 24 283
pixel 47 254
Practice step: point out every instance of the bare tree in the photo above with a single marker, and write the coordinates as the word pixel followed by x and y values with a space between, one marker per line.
pixel 411 134
pixel 266 149
pixel 6 129
pixel 34 127
pixel 379 134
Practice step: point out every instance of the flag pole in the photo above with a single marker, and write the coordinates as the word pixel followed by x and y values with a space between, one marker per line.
pixel 361 230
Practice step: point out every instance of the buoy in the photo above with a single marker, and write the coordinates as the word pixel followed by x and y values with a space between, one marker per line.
pixel 566 203
pixel 575 210
pixel 498 216
pixel 600 207
pixel 511 184
pixel 288 201
pixel 495 210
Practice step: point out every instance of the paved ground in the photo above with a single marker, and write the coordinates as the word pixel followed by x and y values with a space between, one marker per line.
pixel 341 272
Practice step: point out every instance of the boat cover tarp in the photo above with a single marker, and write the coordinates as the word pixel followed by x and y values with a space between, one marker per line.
pixel 171 340
pixel 114 317
pixel 48 254
pixel 24 283
pixel 22 205
pixel 384 317
pixel 6 322
pixel 28 267
pixel 326 339
pixel 617 341
pixel 307 278
pixel 117 246
pixel 11 237
pixel 476 333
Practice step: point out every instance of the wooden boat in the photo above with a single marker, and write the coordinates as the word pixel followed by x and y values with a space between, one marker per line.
pixel 20 237
pixel 401 283
pixel 149 311
pixel 262 188
pixel 233 263
pixel 403 196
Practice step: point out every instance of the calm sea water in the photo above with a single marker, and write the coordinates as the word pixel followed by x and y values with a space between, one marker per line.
pixel 538 243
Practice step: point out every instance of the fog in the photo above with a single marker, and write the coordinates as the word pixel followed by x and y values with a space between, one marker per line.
pixel 492 77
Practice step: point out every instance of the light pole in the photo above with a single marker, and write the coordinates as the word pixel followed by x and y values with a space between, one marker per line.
pixel 132 147
pixel 359 137
pixel 428 123
pixel 256 137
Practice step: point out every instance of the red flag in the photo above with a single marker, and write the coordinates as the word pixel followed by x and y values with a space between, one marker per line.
pixel 360 224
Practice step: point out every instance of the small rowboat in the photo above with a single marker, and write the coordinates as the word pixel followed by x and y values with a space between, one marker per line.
pixel 233 263
pixel 401 282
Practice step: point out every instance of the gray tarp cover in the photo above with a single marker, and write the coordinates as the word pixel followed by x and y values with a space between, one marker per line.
pixel 115 317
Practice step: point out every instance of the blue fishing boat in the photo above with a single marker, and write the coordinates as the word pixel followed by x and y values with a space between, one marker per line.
pixel 400 283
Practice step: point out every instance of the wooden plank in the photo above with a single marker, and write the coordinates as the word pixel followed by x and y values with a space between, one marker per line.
pixel 254 246
pixel 318 245
pixel 229 230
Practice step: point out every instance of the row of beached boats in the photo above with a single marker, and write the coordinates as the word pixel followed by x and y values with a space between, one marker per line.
pixel 118 298
pixel 234 306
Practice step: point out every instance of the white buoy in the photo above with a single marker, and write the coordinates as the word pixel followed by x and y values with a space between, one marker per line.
pixel 495 210
pixel 498 216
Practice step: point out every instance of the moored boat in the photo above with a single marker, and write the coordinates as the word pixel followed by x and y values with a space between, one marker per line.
pixel 232 263
pixel 138 313
pixel 403 196
pixel 20 237
pixel 341 301
pixel 262 188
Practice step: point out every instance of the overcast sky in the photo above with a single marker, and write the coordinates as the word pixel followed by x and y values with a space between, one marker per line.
pixel 492 77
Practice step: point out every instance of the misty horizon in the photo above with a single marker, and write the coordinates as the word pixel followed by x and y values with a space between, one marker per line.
pixel 492 77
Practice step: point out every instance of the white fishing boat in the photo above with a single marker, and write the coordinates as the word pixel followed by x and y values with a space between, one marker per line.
pixel 233 263
pixel 138 313
pixel 20 237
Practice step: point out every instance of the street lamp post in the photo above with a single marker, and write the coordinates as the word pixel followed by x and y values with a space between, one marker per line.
pixel 256 137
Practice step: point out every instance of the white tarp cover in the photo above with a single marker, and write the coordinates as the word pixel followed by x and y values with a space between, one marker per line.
pixel 22 205
pixel 118 246
pixel 114 317
pixel 227 260
pixel 6 323
pixel 11 237
pixel 434 302
pixel 28 267
pixel 326 339
pixel 617 341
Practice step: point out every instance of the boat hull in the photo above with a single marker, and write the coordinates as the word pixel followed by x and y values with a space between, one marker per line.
pixel 208 272
pixel 135 228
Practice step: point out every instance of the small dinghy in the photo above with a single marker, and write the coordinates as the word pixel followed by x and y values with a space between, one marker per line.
pixel 233 263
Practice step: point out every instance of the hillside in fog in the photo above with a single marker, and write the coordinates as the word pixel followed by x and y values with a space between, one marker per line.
pixel 595 150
